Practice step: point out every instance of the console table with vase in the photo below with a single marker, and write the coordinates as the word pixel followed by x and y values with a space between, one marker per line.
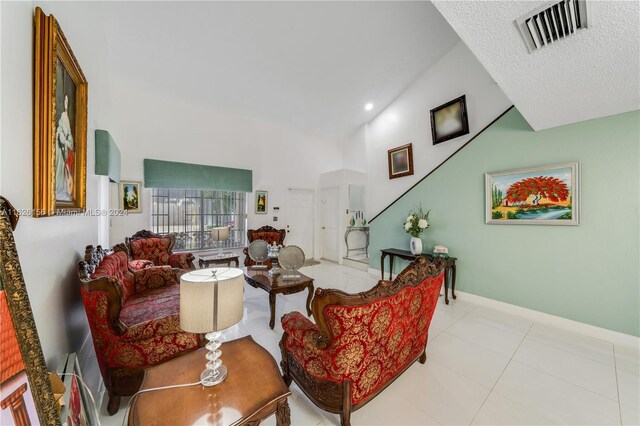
pixel 449 272
pixel 363 229
pixel 252 391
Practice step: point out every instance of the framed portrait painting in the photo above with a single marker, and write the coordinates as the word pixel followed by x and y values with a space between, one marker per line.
pixel 261 202
pixel 400 161
pixel 130 197
pixel 544 195
pixel 60 122
pixel 449 120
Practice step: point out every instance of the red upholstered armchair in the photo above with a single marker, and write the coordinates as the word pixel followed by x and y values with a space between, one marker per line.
pixel 361 342
pixel 150 249
pixel 266 233
pixel 133 317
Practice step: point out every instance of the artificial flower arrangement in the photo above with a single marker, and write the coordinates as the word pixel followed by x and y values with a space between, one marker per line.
pixel 417 222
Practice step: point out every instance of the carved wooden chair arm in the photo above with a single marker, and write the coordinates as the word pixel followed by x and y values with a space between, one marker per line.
pixel 115 298
pixel 154 277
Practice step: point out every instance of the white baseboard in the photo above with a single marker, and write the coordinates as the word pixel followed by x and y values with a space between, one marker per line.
pixel 610 336
pixel 374 273
pixel 91 375
pixel 607 335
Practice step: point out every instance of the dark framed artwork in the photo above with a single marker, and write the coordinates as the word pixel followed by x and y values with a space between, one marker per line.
pixel 26 396
pixel 60 122
pixel 400 161
pixel 449 120
pixel 543 195
pixel 261 202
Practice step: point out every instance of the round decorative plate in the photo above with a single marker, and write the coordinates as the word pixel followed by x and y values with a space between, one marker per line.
pixel 259 250
pixel 291 258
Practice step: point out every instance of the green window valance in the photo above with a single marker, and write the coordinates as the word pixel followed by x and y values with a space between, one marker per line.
pixel 107 156
pixel 170 174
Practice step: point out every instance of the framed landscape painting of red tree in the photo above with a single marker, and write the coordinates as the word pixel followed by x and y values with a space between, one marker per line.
pixel 545 195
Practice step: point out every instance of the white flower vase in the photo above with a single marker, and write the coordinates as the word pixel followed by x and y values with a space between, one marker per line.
pixel 416 245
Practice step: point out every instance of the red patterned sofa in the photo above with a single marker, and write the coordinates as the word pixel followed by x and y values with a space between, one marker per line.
pixel 266 233
pixel 150 249
pixel 361 342
pixel 133 317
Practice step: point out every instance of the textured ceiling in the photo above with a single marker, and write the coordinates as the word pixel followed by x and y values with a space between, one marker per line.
pixel 592 74
pixel 307 66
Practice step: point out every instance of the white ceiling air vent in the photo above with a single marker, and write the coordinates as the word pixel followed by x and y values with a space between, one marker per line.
pixel 552 22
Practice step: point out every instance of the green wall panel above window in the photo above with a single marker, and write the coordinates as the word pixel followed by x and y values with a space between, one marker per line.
pixel 171 174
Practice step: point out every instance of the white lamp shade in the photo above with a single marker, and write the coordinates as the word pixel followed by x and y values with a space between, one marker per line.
pixel 211 303
pixel 220 233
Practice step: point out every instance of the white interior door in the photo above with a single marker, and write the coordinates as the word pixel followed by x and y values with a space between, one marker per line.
pixel 300 220
pixel 329 206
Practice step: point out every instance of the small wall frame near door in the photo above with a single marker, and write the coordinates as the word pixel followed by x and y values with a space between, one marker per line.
pixel 301 220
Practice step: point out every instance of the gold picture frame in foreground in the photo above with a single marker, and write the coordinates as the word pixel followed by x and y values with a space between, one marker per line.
pixel 59 122
pixel 25 381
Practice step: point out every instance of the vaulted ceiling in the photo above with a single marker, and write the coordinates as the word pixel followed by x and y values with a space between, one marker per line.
pixel 592 74
pixel 312 66
pixel 307 66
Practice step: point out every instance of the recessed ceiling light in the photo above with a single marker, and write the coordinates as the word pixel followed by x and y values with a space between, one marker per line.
pixel 368 107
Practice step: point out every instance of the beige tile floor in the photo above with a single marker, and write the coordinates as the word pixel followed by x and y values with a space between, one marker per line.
pixel 484 367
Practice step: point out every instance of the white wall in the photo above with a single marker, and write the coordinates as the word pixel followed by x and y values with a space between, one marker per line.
pixel 50 247
pixel 407 120
pixel 151 125
pixel 340 179
pixel 354 150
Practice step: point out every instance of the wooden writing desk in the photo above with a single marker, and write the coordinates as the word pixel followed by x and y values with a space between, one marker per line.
pixel 450 268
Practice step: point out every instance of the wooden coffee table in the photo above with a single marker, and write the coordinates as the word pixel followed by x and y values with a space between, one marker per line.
pixel 216 258
pixel 252 391
pixel 260 278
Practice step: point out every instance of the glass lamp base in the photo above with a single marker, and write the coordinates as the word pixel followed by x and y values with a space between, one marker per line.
pixel 212 378
pixel 215 372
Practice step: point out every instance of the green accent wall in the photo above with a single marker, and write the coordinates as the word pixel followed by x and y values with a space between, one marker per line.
pixel 587 273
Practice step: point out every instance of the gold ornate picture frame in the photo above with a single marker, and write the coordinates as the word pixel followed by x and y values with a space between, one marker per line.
pixel 60 122
pixel 24 380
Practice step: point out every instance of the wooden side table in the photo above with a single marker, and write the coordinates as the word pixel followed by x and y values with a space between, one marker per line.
pixel 252 391
pixel 450 267
pixel 226 257
pixel 260 278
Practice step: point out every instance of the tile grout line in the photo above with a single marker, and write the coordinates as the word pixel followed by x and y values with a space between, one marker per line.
pixel 567 380
pixel 501 373
pixel 559 378
pixel 615 370
pixel 459 319
pixel 574 353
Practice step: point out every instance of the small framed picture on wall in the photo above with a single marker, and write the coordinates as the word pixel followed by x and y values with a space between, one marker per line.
pixel 130 196
pixel 261 202
pixel 400 161
pixel 449 120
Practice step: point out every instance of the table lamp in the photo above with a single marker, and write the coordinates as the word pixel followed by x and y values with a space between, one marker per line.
pixel 220 234
pixel 211 300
